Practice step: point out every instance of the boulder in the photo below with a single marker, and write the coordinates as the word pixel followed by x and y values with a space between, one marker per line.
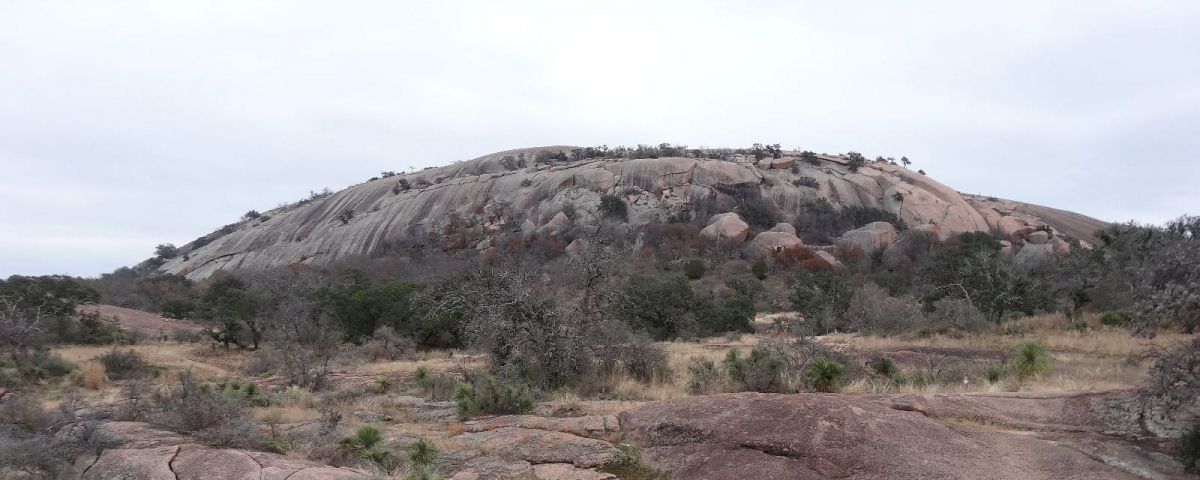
pixel 754 435
pixel 1039 237
pixel 727 228
pixel 870 237
pixel 576 247
pixel 722 173
pixel 784 227
pixel 783 163
pixel 767 243
pixel 1061 247
pixel 1009 225
pixel 555 225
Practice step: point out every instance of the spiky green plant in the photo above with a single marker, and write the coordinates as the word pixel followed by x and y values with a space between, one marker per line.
pixel 422 452
pixel 367 441
pixel 1031 360
pixel 824 375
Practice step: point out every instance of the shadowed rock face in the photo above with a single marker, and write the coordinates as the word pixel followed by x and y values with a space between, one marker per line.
pixel 1028 436
pixel 493 199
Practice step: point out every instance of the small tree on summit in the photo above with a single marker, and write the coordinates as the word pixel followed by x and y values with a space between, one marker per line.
pixel 856 161
pixel 905 161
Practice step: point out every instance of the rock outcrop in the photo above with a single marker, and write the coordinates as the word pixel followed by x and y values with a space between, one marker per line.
pixel 767 243
pixel 871 237
pixel 749 435
pixel 493 195
pixel 728 229
pixel 138 450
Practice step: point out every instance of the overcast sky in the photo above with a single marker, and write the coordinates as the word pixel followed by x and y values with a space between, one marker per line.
pixel 128 124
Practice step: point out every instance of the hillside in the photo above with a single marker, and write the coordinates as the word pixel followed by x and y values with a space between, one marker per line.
pixel 467 204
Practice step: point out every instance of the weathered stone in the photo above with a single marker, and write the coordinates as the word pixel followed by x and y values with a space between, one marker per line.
pixel 727 228
pixel 750 435
pixel 494 468
pixel 1039 237
pixel 129 463
pixel 784 228
pixel 870 237
pixel 783 163
pixel 540 446
pixel 309 233
pixel 1008 226
pixel 566 471
pixel 768 243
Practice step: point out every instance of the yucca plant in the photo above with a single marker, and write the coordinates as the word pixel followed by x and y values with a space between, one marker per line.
pixel 422 452
pixel 368 443
pixel 824 375
pixel 1031 360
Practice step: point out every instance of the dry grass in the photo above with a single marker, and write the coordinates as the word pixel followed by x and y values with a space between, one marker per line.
pixel 178 356
pixel 93 376
pixel 286 414
pixel 1053 330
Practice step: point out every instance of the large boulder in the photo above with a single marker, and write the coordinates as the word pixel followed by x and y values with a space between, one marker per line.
pixel 870 237
pixel 1009 226
pixel 556 224
pixel 727 228
pixel 784 227
pixel 767 243
pixel 752 435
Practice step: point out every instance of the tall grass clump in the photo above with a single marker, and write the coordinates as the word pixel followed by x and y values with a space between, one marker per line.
pixel 1031 360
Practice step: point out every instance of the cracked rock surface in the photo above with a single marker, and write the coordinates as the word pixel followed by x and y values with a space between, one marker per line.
pixel 1027 436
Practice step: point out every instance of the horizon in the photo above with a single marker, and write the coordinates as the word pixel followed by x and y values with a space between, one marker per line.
pixel 140 123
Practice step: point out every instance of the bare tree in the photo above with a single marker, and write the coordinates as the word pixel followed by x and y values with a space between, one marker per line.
pixel 19 329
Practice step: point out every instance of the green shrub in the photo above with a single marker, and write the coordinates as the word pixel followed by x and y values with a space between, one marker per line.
pixel 759 269
pixel 367 442
pixel 381 386
pixel 1114 318
pixel 612 206
pixel 526 182
pixel 1031 360
pixel 120 365
pixel 760 371
pixel 995 372
pixel 756 213
pixel 438 387
pixel 1189 449
pixel 824 375
pixel 423 472
pixel 855 161
pixel 806 182
pixel 884 366
pixel 694 269
pixel 492 396
pixel 703 377
pixel 422 452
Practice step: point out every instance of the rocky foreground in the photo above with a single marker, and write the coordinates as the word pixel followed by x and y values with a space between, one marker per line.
pixel 746 435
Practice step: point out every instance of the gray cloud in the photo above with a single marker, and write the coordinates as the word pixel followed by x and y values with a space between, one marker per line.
pixel 128 124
